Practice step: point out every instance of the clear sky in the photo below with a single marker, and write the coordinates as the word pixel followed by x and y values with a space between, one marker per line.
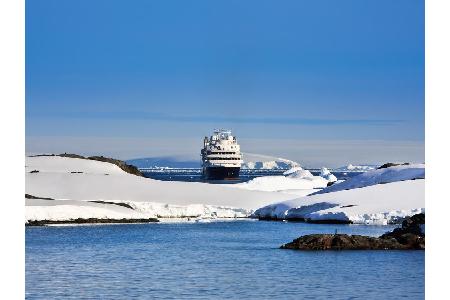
pixel 276 72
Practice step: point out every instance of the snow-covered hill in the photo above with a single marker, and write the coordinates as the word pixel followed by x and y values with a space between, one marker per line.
pixel 376 197
pixel 81 181
pixel 379 176
pixel 93 189
pixel 378 204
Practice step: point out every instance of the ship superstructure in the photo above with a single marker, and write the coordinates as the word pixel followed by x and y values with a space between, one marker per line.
pixel 221 156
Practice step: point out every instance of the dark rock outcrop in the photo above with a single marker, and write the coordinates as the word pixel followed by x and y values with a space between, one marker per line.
pixel 70 155
pixel 88 221
pixel 120 163
pixel 411 233
pixel 389 164
pixel 28 196
pixel 409 237
pixel 113 203
pixel 341 242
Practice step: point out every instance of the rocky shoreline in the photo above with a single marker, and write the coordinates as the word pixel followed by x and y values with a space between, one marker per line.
pixel 89 221
pixel 411 236
pixel 305 220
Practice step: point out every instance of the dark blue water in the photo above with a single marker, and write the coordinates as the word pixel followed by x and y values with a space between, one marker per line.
pixel 195 175
pixel 220 260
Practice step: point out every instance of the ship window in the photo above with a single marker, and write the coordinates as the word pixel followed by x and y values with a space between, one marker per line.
pixel 223 158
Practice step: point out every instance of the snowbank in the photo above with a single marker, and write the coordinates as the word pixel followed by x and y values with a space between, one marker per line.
pixel 280 184
pixel 161 210
pixel 294 181
pixel 376 204
pixel 386 175
pixel 82 180
pixel 60 210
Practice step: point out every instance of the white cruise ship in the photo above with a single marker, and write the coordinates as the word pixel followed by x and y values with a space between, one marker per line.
pixel 221 156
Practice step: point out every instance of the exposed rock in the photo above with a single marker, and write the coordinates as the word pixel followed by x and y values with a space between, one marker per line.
pixel 350 205
pixel 113 203
pixel 28 196
pixel 70 155
pixel 88 221
pixel 410 236
pixel 341 242
pixel 389 164
pixel 270 219
pixel 40 155
pixel 324 221
pixel 120 163
pixel 303 220
pixel 411 233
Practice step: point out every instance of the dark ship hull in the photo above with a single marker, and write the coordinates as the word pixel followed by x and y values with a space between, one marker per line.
pixel 221 173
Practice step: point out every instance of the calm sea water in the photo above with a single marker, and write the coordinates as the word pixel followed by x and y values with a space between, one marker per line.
pixel 219 260
pixel 195 175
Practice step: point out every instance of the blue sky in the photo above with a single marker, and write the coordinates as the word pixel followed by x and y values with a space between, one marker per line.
pixel 270 70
